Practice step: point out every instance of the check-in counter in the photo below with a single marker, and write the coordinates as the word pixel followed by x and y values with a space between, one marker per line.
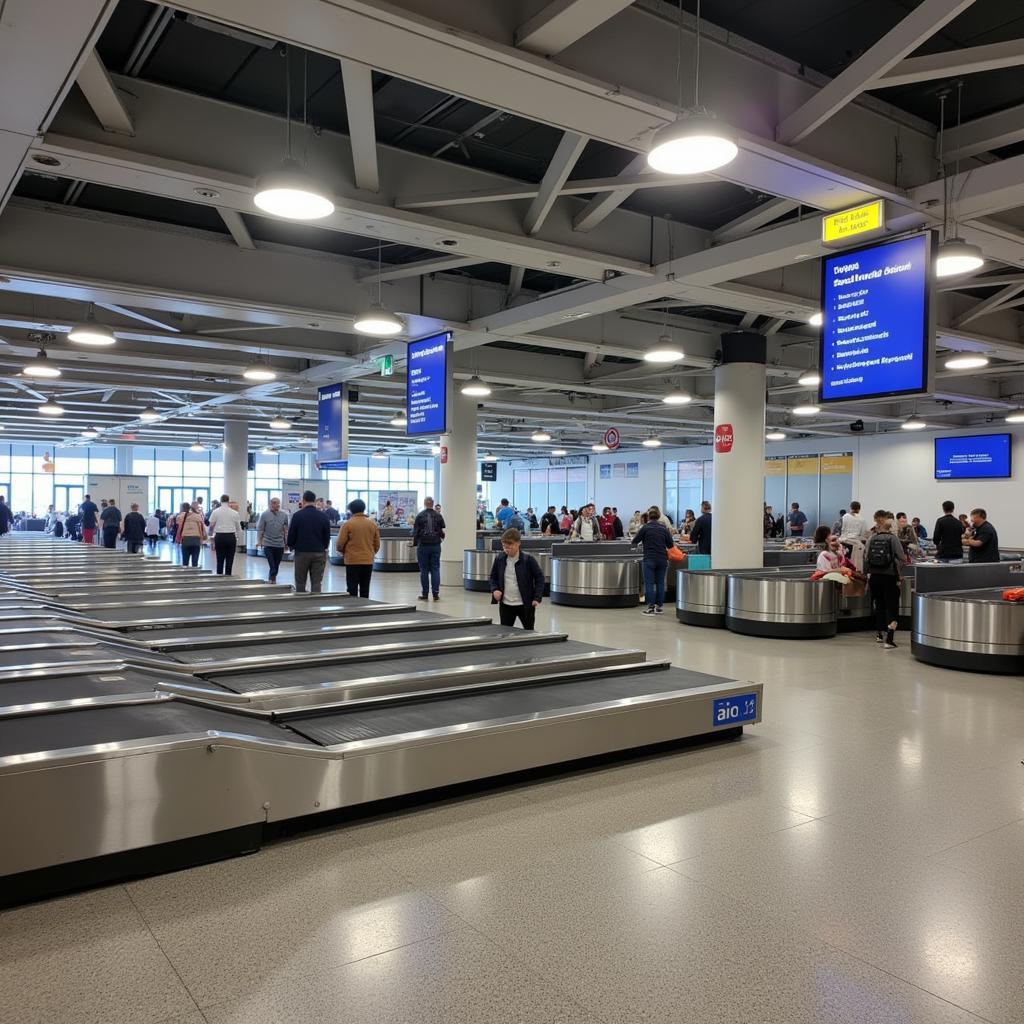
pixel 596 581
pixel 781 606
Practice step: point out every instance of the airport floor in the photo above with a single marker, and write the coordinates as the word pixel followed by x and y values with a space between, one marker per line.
pixel 858 857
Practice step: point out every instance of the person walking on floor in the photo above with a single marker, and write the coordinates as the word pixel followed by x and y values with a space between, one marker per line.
pixel 309 536
pixel 358 542
pixel 656 539
pixel 427 535
pixel 111 520
pixel 517 582
pixel 271 534
pixel 89 511
pixel 882 562
pixel 700 532
pixel 190 533
pixel 225 524
pixel 152 532
pixel 6 516
pixel 134 530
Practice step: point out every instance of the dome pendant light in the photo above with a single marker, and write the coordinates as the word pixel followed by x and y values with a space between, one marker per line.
pixel 280 423
pixel 475 388
pixel 259 371
pixel 149 414
pixel 377 320
pixel 809 379
pixel 540 435
pixel 651 442
pixel 50 407
pixel 664 351
pixel 913 423
pixel 955 256
pixel 696 142
pixel 91 333
pixel 41 366
pixel 289 190
pixel 677 397
pixel 1015 416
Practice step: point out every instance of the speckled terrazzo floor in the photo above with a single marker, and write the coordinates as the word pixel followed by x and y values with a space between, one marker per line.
pixel 857 858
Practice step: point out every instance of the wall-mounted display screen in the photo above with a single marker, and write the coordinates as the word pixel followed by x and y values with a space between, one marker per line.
pixel 971 458
pixel 426 387
pixel 877 334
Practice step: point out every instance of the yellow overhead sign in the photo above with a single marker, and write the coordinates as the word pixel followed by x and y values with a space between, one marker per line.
pixel 847 225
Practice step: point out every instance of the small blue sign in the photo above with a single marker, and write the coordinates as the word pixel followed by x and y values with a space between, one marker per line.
pixel 340 464
pixel 426 399
pixel 330 424
pixel 734 710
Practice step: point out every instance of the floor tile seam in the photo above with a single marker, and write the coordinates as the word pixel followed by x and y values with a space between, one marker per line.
pixel 163 953
pixel 526 968
pixel 973 839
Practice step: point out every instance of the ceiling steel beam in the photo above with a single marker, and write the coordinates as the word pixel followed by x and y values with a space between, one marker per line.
pixel 761 216
pixel 563 22
pixel 979 191
pixel 418 268
pixel 952 63
pixel 1003 128
pixel 989 305
pixel 103 97
pixel 919 25
pixel 235 224
pixel 604 203
pixel 569 150
pixel 358 84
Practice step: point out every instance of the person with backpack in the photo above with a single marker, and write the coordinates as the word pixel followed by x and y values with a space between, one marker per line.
pixel 882 561
pixel 427 535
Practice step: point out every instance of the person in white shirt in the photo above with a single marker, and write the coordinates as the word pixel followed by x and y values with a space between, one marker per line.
pixel 225 525
pixel 854 527
pixel 587 527
pixel 152 531
pixel 517 582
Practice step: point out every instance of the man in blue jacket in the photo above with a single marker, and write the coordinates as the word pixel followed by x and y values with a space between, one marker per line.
pixel 309 536
pixel 517 582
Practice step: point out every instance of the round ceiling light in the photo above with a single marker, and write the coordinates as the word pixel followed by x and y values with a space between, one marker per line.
pixel 197 446
pixel 966 362
pixel 810 379
pixel 1016 416
pixel 663 352
pixel 540 436
pixel 149 414
pixel 378 321
pixel 957 257
pixel 694 143
pixel 268 451
pixel 91 333
pixel 599 447
pixel 50 407
pixel 475 388
pixel 558 452
pixel 400 420
pixel 435 449
pixel 259 371
pixel 280 423
pixel 805 410
pixel 651 442
pixel 380 453
pixel 677 397
pixel 41 366
pixel 490 458
pixel 816 319
pixel 775 435
pixel 913 423
pixel 90 432
pixel 291 192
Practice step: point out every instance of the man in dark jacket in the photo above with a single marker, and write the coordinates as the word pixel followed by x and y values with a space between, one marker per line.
pixel 948 535
pixel 6 516
pixel 427 534
pixel 549 521
pixel 309 536
pixel 701 532
pixel 517 582
pixel 134 529
pixel 89 511
pixel 110 518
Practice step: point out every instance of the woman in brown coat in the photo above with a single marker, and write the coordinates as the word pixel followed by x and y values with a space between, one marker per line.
pixel 358 542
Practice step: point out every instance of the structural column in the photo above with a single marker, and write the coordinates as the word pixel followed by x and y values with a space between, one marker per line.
pixel 236 462
pixel 738 500
pixel 458 487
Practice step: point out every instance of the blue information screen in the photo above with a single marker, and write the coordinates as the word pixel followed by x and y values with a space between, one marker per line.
pixel 426 386
pixel 972 458
pixel 876 336
pixel 330 425
pixel 734 710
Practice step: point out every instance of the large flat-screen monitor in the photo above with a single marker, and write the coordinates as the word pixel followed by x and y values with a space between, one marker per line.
pixel 972 458
pixel 877 333
pixel 426 387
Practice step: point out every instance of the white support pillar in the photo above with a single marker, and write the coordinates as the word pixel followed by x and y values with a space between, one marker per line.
pixel 458 487
pixel 737 508
pixel 122 459
pixel 236 462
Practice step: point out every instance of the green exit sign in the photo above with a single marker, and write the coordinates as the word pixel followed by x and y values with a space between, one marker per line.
pixel 387 365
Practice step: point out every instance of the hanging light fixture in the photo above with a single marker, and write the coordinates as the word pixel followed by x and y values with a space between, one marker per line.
pixel 599 447
pixel 809 379
pixel 490 458
pixel 955 256
pixel 558 452
pixel 913 423
pixel 677 397
pixel 149 414
pixel 1016 416
pixel 696 142
pixel 775 435
pixel 380 453
pixel 377 320
pixel 268 450
pixel 805 410
pixel 41 366
pixel 289 190
pixel 966 362
pixel 540 435
pixel 435 449
pixel 259 370
pixel 280 423
pixel 651 442
pixel 816 319
pixel 50 407
pixel 197 446
pixel 475 388
pixel 91 333
pixel 90 432
pixel 664 351
pixel 400 420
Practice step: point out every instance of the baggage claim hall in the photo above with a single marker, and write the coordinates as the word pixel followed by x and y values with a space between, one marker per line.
pixel 510 512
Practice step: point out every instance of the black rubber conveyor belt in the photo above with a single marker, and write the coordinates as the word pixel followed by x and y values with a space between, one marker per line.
pixel 416 716
pixel 313 675
pixel 41 685
pixel 85 727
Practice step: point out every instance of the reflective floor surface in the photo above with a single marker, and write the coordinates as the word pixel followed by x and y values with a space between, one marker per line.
pixel 859 857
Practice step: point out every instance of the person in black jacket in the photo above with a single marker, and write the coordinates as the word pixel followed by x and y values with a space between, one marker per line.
pixel 700 533
pixel 134 530
pixel 309 536
pixel 549 522
pixel 948 535
pixel 517 582
pixel 656 541
pixel 6 516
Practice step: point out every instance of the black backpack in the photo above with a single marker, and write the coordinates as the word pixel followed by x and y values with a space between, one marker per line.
pixel 880 552
pixel 432 532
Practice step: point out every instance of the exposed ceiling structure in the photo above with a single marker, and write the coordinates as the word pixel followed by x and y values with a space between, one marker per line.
pixel 491 155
